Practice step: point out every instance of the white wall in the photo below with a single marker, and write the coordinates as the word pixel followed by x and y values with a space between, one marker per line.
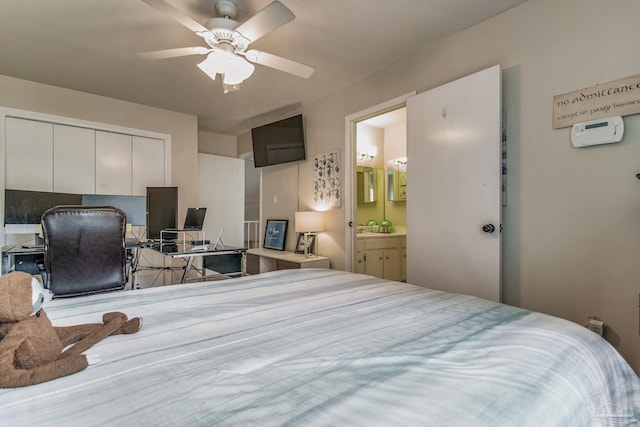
pixel 215 143
pixel 280 185
pixel 572 228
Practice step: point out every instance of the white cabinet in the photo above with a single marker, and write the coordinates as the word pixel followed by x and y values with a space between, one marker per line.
pixel 360 248
pixel 28 155
pixel 113 163
pixel 48 156
pixel 403 254
pixel 148 164
pixel 74 154
pixel 382 257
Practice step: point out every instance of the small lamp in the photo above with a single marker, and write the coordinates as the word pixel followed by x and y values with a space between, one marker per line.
pixel 308 222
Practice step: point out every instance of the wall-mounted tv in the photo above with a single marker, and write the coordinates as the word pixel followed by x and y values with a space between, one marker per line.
pixel 278 142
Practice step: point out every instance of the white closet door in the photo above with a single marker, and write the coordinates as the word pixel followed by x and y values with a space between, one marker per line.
pixel 28 155
pixel 74 165
pixel 113 163
pixel 221 191
pixel 148 164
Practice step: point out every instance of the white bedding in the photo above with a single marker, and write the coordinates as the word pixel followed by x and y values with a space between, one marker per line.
pixel 324 347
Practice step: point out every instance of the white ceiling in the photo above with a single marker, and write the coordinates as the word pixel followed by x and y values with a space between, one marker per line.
pixel 93 45
pixel 385 120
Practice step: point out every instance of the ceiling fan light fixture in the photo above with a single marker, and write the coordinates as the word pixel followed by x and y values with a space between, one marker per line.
pixel 238 70
pixel 233 68
pixel 230 88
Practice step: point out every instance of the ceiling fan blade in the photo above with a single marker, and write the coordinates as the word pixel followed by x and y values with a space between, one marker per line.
pixel 177 15
pixel 279 63
pixel 268 19
pixel 174 53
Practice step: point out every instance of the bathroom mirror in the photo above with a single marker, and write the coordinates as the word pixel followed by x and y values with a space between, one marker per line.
pixel 396 185
pixel 370 187
pixel 367 184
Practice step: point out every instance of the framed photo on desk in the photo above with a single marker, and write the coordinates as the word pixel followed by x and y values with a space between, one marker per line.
pixel 301 243
pixel 275 234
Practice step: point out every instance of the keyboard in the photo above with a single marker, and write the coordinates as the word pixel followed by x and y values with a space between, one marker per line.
pixel 131 241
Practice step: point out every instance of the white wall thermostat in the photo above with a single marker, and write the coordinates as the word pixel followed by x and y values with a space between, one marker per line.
pixel 594 132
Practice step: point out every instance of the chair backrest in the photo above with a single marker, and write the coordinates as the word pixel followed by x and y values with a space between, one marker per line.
pixel 84 250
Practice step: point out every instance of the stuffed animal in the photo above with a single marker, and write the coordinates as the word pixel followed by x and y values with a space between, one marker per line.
pixel 32 350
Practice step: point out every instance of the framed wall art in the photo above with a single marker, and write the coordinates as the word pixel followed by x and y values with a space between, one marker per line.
pixel 275 234
pixel 327 180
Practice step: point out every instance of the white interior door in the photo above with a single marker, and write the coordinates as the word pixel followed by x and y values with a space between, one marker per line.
pixel 221 191
pixel 453 186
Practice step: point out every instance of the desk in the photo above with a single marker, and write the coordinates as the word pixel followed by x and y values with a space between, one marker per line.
pixel 260 260
pixel 226 260
pixel 26 257
pixel 20 258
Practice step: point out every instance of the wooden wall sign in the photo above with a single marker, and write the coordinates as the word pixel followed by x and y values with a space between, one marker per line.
pixel 617 98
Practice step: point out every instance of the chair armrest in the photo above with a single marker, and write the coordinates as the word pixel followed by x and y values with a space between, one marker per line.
pixel 43 273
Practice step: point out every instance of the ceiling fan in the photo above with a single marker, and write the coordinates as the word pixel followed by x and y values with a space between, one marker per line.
pixel 228 42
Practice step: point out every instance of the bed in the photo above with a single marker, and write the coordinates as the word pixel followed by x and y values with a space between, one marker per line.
pixel 326 347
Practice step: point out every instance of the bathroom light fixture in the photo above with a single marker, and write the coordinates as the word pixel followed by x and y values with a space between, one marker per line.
pixel 400 162
pixel 308 222
pixel 366 157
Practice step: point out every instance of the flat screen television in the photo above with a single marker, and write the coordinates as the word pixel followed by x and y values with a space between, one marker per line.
pixel 27 207
pixel 278 142
pixel 162 210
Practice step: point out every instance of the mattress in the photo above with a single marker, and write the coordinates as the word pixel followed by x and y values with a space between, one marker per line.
pixel 325 347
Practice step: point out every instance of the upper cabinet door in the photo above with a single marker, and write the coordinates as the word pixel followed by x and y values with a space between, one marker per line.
pixel 28 155
pixel 113 163
pixel 148 164
pixel 74 164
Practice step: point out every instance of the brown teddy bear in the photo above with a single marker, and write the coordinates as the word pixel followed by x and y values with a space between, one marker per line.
pixel 32 350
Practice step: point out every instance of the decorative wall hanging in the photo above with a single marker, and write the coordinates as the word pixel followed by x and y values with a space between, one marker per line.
pixel 327 182
pixel 617 98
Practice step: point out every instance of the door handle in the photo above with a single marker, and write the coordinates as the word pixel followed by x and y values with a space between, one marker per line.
pixel 488 228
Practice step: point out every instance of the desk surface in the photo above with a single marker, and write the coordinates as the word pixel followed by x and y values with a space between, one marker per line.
pixel 284 255
pixel 169 249
pixel 22 249
pixel 182 250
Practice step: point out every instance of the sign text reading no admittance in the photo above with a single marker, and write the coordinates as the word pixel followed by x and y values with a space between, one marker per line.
pixel 616 98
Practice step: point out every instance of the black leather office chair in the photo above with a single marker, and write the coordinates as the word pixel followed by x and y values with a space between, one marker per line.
pixel 84 250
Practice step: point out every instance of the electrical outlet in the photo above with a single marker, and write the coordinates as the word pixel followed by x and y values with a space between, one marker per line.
pixel 596 326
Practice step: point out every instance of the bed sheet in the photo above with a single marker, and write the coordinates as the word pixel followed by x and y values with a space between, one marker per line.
pixel 325 347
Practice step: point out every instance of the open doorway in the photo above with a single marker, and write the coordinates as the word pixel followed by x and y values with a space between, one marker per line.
pixel 251 204
pixel 381 164
pixel 381 194
pixel 377 159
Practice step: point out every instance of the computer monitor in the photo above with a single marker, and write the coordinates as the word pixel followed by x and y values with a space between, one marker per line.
pixel 162 210
pixel 194 219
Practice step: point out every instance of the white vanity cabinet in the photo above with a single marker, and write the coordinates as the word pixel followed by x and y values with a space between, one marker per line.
pixel 360 249
pixel 381 256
